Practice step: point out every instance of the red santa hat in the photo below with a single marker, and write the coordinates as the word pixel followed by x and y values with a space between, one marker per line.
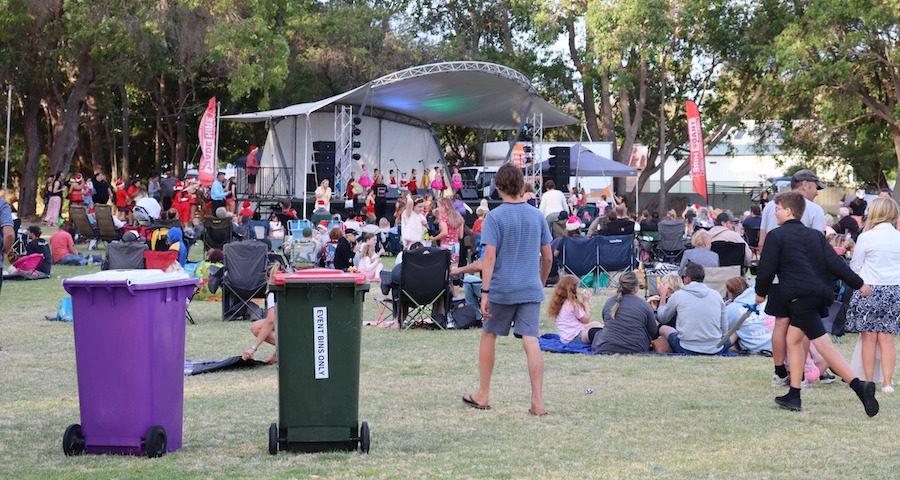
pixel 573 223
pixel 179 185
pixel 120 184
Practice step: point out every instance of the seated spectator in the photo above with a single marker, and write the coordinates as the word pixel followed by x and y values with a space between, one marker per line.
pixel 629 322
pixel 754 221
pixel 651 224
pixel 214 257
pixel 700 254
pixel 345 250
pixel 701 316
pixel 673 284
pixel 62 248
pixel 245 209
pixel 752 335
pixel 276 229
pixel 571 310
pixel 288 209
pixel 305 251
pixel 241 227
pixel 176 242
pixel 38 245
pixel 617 223
pixel 370 262
pixel 264 329
pixel 724 231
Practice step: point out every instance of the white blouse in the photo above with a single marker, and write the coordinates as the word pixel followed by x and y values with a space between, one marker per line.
pixel 876 257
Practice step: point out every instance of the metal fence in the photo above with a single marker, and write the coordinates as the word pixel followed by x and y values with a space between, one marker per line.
pixel 271 182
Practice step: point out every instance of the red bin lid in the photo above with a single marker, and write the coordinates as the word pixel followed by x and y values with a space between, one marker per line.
pixel 313 275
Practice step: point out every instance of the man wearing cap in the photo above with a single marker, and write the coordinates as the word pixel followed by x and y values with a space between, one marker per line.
pixel 723 231
pixel 808 184
pixel 252 169
pixel 217 192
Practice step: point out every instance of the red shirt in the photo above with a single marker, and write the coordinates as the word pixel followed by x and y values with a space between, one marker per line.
pixel 60 242
pixel 121 197
pixel 476 227
pixel 131 191
pixel 245 211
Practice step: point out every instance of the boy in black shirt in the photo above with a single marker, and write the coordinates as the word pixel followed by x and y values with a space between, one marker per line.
pixel 805 264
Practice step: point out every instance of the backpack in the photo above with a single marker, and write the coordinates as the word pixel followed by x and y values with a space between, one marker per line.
pixel 465 316
pixel 328 252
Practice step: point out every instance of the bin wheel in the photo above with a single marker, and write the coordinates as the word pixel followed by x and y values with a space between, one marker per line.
pixel 364 438
pixel 73 440
pixel 156 442
pixel 273 439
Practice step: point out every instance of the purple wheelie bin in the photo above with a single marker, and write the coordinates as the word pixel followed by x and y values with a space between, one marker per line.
pixel 129 355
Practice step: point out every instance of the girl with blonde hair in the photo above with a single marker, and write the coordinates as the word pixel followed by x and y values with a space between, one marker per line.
pixel 877 316
pixel 451 224
pixel 571 311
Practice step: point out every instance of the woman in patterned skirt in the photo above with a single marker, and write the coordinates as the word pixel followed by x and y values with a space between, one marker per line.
pixel 877 317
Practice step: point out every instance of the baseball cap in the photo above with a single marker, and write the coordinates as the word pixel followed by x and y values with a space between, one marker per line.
pixel 307 231
pixel 807 176
pixel 350 231
pixel 725 217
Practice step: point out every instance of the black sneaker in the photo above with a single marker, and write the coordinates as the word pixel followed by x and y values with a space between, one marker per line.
pixel 789 402
pixel 866 393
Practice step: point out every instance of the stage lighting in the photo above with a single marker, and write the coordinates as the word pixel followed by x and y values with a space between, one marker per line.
pixel 356 144
pixel 356 156
pixel 357 120
pixel 356 131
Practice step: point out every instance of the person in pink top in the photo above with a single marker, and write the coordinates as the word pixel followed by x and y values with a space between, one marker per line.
pixel 451 224
pixel 571 311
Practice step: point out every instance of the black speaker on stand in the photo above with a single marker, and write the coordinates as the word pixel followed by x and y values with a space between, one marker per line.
pixel 559 170
pixel 324 162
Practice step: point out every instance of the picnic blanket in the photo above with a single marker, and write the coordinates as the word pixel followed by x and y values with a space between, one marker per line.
pixel 196 367
pixel 550 342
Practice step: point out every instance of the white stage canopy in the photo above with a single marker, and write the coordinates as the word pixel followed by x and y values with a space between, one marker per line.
pixel 398 114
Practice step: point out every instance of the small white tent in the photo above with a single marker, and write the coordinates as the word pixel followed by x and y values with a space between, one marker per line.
pixel 399 112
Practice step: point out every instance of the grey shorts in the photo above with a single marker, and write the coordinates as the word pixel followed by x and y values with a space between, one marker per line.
pixel 527 317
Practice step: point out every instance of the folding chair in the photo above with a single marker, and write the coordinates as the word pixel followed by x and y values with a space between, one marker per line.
pixel 78 215
pixel 424 286
pixel 216 232
pixel 615 254
pixel 671 241
pixel 20 244
pixel 125 255
pixel 752 236
pixel 730 253
pixel 244 279
pixel 259 229
pixel 160 260
pixel 717 276
pixel 579 256
pixel 103 214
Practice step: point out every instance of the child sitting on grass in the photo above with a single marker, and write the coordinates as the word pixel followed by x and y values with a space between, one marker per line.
pixel 264 329
pixel 571 311
pixel 805 264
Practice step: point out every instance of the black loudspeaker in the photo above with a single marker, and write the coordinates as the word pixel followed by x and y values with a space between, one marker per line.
pixel 560 151
pixel 469 194
pixel 560 176
pixel 325 171
pixel 560 159
pixel 324 146
pixel 392 194
pixel 311 184
pixel 323 158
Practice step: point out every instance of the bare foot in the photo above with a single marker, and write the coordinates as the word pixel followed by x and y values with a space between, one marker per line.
pixel 271 360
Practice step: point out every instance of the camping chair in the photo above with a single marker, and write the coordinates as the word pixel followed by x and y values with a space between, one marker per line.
pixel 671 241
pixel 103 214
pixel 730 253
pixel 20 244
pixel 424 286
pixel 124 255
pixel 579 256
pixel 216 233
pixel 717 276
pixel 648 242
pixel 78 215
pixel 160 260
pixel 616 253
pixel 244 279
pixel 259 229
pixel 752 236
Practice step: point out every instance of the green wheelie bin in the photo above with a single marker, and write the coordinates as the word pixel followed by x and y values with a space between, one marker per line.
pixel 319 323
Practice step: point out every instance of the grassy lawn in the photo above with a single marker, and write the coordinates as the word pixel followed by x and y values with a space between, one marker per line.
pixel 648 416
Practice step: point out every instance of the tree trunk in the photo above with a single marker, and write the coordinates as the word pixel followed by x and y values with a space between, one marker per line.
pixel 96 136
pixel 30 182
pixel 126 135
pixel 180 131
pixel 895 136
pixel 65 131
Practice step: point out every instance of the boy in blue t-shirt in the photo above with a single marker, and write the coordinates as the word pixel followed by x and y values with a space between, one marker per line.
pixel 515 266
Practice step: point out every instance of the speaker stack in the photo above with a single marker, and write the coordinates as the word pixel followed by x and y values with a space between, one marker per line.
pixel 323 159
pixel 559 170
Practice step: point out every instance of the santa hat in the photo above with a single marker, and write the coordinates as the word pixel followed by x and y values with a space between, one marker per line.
pixel 119 184
pixel 253 147
pixel 78 177
pixel 179 185
pixel 323 224
pixel 573 224
pixel 320 202
pixel 246 204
